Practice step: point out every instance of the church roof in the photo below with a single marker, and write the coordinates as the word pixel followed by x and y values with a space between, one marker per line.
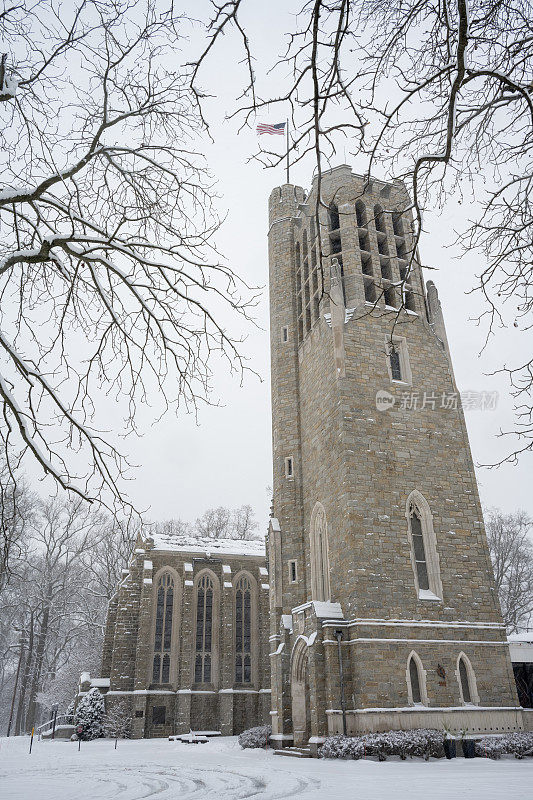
pixel 175 542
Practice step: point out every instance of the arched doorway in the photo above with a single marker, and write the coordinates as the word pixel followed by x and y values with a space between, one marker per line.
pixel 301 724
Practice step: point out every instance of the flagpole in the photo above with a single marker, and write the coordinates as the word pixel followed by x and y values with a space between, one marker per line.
pixel 287 126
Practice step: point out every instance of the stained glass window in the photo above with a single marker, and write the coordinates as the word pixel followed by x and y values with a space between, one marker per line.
pixel 163 629
pixel 204 630
pixel 243 631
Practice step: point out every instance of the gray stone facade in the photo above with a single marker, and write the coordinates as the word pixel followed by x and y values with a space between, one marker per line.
pixel 379 610
pixel 421 635
pixel 169 696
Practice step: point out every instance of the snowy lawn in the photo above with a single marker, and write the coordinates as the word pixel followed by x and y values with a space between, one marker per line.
pixel 157 768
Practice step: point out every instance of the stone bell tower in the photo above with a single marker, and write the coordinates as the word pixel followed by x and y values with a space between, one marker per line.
pixel 383 609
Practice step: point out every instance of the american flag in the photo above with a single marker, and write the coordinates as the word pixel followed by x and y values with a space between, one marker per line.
pixel 278 129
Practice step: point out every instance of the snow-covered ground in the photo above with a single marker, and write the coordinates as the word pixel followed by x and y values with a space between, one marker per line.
pixel 163 770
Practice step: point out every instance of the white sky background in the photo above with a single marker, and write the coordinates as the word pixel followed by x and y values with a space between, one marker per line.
pixel 185 468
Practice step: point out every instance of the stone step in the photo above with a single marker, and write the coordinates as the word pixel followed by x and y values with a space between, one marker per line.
pixel 295 752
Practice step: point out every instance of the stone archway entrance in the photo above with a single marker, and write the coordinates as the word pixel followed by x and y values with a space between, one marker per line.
pixel 301 724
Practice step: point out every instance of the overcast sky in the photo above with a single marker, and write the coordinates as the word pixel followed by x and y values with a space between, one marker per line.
pixel 225 459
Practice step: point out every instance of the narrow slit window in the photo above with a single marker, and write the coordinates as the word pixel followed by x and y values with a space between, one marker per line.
pixel 289 467
pixel 293 575
pixel 285 334
pixel 395 364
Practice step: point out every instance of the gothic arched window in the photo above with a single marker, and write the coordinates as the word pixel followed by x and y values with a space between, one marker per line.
pixel 243 631
pixel 204 630
pixel 416 680
pixel 163 629
pixel 467 680
pixel 319 554
pixel 419 550
pixel 424 555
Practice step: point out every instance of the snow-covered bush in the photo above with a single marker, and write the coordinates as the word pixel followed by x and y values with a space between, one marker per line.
pixel 343 747
pixel 423 743
pixel 518 744
pixel 255 737
pixel 90 714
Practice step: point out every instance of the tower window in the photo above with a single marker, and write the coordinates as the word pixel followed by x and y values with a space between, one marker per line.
pixel 397 223
pixel 370 291
pixel 285 334
pixel 293 573
pixel 360 214
pixel 395 366
pixel 400 250
pixel 423 542
pixel 289 469
pixel 419 550
pixel 379 219
pixel 409 300
pixel 398 365
pixel 333 213
pixel 390 297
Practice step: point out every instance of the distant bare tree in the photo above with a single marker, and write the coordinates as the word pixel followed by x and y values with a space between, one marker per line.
pixel 16 513
pixel 173 527
pixel 53 589
pixel 436 94
pixel 244 524
pixel 214 523
pixel 511 549
pixel 107 556
pixel 223 523
pixel 110 280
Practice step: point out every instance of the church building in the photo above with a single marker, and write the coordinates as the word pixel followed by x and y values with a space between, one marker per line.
pixel 186 641
pixel 383 610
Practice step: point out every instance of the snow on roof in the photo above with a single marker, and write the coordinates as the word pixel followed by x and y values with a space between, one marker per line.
pixel 193 544
pixel 526 636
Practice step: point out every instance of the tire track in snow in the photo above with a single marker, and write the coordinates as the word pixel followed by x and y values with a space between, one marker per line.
pixel 147 782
